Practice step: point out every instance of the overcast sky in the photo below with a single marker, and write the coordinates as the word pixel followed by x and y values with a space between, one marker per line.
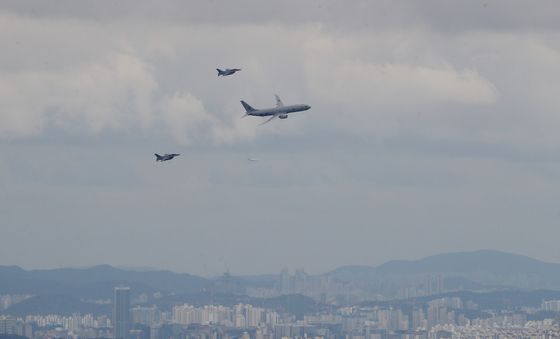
pixel 434 128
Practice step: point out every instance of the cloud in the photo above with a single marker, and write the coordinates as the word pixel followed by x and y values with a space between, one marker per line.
pixel 390 84
pixel 113 93
pixel 381 14
pixel 117 93
pixel 391 70
pixel 155 77
pixel 188 121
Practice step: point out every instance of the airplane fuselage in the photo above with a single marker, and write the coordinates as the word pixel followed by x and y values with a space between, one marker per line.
pixel 165 157
pixel 227 71
pixel 279 110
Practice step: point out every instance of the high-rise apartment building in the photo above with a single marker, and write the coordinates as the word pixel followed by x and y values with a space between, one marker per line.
pixel 7 325
pixel 121 312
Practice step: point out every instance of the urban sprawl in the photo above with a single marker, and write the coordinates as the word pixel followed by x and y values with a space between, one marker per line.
pixel 447 317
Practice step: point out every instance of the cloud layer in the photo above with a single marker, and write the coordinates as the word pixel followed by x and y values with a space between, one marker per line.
pixel 434 127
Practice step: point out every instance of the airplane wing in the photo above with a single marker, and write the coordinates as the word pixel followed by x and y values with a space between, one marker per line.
pixel 278 101
pixel 272 117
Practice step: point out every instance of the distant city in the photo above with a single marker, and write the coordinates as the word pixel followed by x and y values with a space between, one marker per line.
pixel 482 294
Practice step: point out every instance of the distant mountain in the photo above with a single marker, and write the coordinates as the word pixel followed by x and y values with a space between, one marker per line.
pixel 95 282
pixel 489 268
pixel 479 271
pixel 65 290
pixel 67 305
pixel 56 304
pixel 159 280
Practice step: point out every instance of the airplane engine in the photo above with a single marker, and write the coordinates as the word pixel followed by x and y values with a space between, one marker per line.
pixel 283 116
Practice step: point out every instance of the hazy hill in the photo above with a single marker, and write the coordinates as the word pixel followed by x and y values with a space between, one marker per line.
pixel 67 305
pixel 159 280
pixel 480 267
pixel 95 282
pixel 479 270
pixel 56 304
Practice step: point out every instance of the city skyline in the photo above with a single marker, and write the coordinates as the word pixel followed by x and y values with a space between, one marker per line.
pixel 430 318
pixel 414 304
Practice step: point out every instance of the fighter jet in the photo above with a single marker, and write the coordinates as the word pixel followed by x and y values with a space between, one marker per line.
pixel 227 71
pixel 279 111
pixel 166 157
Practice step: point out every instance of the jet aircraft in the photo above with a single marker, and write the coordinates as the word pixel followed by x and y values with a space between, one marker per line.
pixel 166 157
pixel 227 71
pixel 279 111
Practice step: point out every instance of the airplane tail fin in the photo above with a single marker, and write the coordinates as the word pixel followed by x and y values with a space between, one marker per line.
pixel 158 157
pixel 247 107
pixel 220 72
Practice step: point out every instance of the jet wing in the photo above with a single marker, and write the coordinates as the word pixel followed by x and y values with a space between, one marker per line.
pixel 278 101
pixel 272 117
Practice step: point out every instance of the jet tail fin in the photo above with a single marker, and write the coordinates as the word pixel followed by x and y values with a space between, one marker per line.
pixel 247 107
pixel 158 157
pixel 220 72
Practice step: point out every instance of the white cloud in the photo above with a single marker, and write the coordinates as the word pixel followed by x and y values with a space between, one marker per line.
pixel 188 121
pixel 115 93
pixel 400 85
pixel 391 70
pixel 157 77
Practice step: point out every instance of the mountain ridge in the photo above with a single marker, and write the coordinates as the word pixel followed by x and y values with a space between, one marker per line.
pixel 482 266
pixel 475 268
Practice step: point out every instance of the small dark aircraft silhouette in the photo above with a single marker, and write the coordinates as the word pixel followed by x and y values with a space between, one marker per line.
pixel 166 157
pixel 227 71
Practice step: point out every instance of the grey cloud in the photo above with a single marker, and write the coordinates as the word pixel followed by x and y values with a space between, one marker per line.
pixel 441 15
pixel 431 120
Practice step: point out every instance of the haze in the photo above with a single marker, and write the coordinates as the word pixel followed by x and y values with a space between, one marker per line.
pixel 434 128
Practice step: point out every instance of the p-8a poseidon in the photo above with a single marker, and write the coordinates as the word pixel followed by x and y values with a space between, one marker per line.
pixel 280 111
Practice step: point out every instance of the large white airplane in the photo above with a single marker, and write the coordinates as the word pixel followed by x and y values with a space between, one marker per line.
pixel 280 111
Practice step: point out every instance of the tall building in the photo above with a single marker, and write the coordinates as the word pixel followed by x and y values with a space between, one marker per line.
pixel 121 312
pixel 551 305
pixel 7 325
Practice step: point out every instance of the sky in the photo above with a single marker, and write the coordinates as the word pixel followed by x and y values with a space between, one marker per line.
pixel 433 128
